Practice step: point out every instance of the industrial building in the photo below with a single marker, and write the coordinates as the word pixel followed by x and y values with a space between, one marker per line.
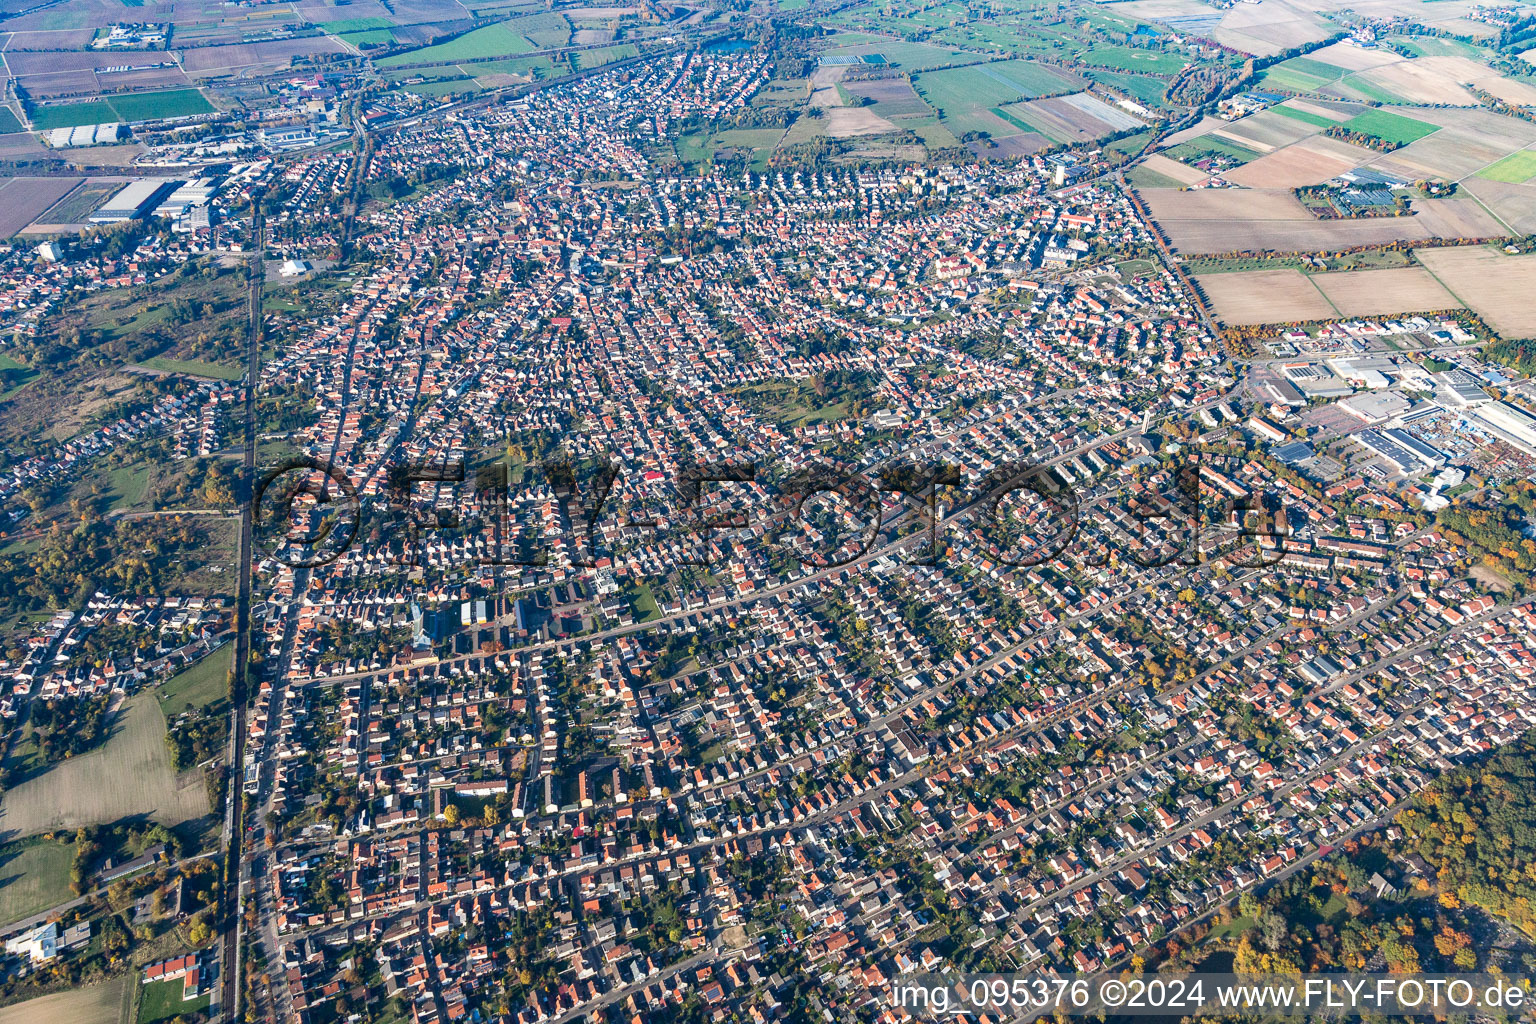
pixel 1375 408
pixel 85 135
pixel 1316 381
pixel 1402 449
pixel 1460 389
pixel 1507 423
pixel 134 200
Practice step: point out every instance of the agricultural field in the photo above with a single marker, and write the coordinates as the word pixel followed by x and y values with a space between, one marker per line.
pixel 1228 220
pixel 23 200
pixel 1515 168
pixel 1307 162
pixel 79 204
pixel 1494 284
pixel 498 40
pixel 892 97
pixel 143 106
pixel 1383 292
pixel 1299 74
pixel 95 1004
pixel 71 115
pixel 502 39
pixel 1079 117
pixel 128 775
pixel 967 99
pixel 1390 127
pixel 1264 297
pixel 149 105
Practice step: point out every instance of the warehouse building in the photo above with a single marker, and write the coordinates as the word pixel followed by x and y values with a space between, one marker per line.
pixel 133 200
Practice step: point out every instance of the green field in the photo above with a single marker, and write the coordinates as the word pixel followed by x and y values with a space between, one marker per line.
pixel 444 87
pixel 700 147
pixel 1391 127
pixel 34 876
pixel 14 376
pixel 1431 46
pixel 604 55
pixel 1515 168
pixel 195 368
pixel 1139 87
pixel 497 40
pixel 146 106
pixel 965 97
pixel 1300 74
pixel 1126 58
pixel 1305 116
pixel 544 31
pixel 199 684
pixel 369 37
pixel 354 25
pixel 8 122
pixel 1195 149
pixel 906 56
pixel 1362 88
pixel 161 1000
pixel 71 115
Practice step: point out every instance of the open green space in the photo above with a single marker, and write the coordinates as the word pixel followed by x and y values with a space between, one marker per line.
pixel 354 25
pixel 71 115
pixel 1299 74
pixel 1141 88
pixel 967 98
pixel 643 601
pixel 585 59
pixel 1432 46
pixel 14 376
pixel 1515 168
pixel 704 146
pixel 34 876
pixel 1127 58
pixel 9 122
pixel 146 106
pixel 1197 149
pixel 1391 127
pixel 444 87
pixel 499 40
pixel 195 368
pixel 1305 116
pixel 1144 177
pixel 81 203
pixel 200 684
pixel 161 1000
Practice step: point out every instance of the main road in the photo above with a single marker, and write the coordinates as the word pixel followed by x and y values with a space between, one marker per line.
pixel 229 921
